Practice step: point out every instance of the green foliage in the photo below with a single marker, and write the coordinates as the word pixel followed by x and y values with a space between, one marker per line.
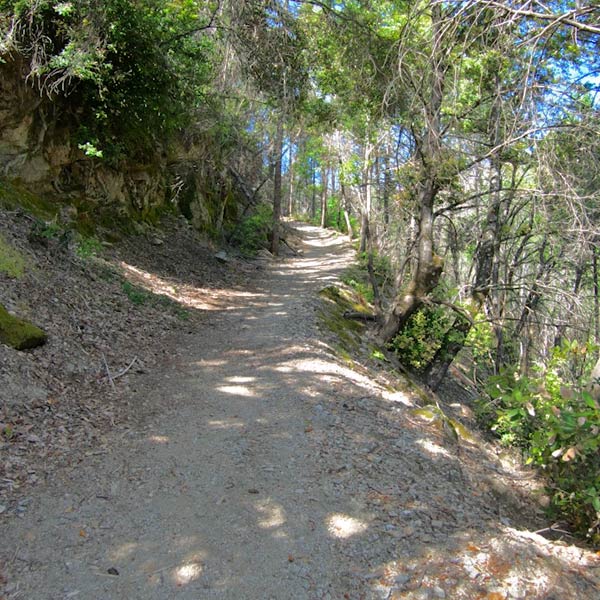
pixel 481 340
pixel 357 276
pixel 87 247
pixel 253 232
pixel 140 296
pixel 422 337
pixel 136 294
pixel 12 262
pixel 135 71
pixel 556 424
pixel 43 232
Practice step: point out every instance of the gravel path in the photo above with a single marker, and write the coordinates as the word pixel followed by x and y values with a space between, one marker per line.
pixel 271 470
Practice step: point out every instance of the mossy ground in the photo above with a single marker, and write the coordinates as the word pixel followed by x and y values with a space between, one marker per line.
pixel 12 262
pixel 14 196
pixel 349 332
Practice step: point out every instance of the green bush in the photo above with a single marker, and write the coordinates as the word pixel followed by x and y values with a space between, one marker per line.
pixel 357 276
pixel 87 247
pixel 135 71
pixel 422 337
pixel 253 232
pixel 556 424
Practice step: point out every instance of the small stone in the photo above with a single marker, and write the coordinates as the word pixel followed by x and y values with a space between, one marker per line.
pixel 401 579
pixel 438 592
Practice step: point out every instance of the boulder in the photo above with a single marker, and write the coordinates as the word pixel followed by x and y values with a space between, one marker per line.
pixel 18 333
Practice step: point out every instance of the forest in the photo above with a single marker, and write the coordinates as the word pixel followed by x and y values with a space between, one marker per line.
pixel 456 143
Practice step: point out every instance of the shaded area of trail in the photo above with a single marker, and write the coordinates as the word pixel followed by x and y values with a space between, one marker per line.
pixel 271 470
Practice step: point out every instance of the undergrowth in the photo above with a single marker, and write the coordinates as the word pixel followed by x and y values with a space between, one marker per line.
pixel 252 233
pixel 555 422
pixel 140 296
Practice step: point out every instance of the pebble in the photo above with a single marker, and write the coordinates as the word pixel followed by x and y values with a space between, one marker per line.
pixel 438 592
pixel 401 579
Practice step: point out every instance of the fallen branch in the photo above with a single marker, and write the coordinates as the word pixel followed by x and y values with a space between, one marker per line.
pixel 112 377
pixel 112 383
pixel 359 316
pixel 126 369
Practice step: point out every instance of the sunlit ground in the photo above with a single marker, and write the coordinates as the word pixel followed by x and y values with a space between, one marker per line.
pixel 344 526
pixel 200 298
pixel 508 558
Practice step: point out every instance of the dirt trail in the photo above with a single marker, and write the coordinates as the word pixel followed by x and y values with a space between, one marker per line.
pixel 270 471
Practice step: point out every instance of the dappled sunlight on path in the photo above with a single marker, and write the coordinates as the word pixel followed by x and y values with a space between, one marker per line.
pixel 273 470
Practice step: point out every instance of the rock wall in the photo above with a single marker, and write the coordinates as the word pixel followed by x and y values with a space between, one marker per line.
pixel 38 148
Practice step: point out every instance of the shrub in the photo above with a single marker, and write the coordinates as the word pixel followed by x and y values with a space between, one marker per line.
pixel 422 337
pixel 556 424
pixel 253 232
pixel 135 71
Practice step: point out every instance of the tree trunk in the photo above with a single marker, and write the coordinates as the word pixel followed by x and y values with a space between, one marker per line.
pixel 427 275
pixel 313 202
pixel 596 293
pixel 324 180
pixel 345 203
pixel 386 193
pixel 291 207
pixel 452 344
pixel 365 212
pixel 429 266
pixel 486 262
pixel 275 233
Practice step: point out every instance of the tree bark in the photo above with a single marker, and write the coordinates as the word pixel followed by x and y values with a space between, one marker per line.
pixel 291 207
pixel 452 344
pixel 429 266
pixel 278 149
pixel 324 180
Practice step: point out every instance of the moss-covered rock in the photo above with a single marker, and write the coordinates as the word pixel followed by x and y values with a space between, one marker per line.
pixel 14 195
pixel 18 333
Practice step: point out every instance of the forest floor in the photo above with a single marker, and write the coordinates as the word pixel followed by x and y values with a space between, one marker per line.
pixel 241 457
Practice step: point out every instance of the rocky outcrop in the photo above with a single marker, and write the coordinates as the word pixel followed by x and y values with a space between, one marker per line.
pixel 39 150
